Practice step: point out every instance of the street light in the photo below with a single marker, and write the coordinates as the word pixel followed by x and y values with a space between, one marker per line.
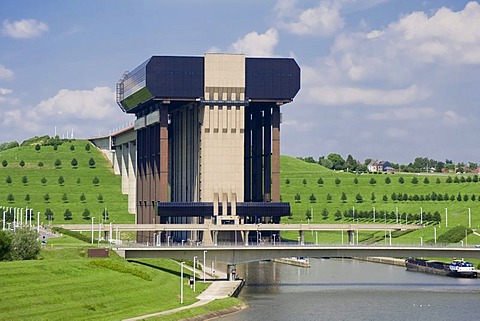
pixel 374 214
pixel 181 282
pixel 421 241
pixel 274 239
pixel 435 235
pixel 446 217
pixel 469 218
pixel 204 264
pixel 194 271
pixel 92 228
pixel 421 216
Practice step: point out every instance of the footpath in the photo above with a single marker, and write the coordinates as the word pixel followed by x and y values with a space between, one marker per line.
pixel 219 289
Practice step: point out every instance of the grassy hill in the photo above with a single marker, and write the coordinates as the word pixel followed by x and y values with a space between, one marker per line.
pixel 78 181
pixel 297 172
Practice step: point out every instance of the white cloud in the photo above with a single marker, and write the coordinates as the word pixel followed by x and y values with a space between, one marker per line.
pixel 23 29
pixel 254 44
pixel 5 91
pixel 5 73
pixel 324 19
pixel 404 114
pixel 95 104
pixel 452 118
pixel 329 95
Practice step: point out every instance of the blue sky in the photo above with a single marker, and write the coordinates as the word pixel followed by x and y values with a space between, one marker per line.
pixel 386 79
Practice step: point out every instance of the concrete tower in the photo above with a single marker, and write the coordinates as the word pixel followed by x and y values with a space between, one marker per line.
pixel 208 139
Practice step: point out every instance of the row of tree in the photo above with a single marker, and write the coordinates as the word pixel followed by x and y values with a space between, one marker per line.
pixel 401 180
pixel 58 163
pixel 46 198
pixel 420 164
pixel 351 214
pixel 397 197
pixel 68 215
pixel 61 180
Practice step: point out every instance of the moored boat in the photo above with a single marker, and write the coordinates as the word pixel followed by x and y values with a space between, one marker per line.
pixel 457 268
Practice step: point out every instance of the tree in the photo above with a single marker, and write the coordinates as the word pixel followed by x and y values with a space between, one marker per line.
pixel 287 182
pixel 4 163
pixel 415 180
pixel 320 181
pixel 325 214
pixel 86 214
pixel 105 214
pixel 67 215
pixel 337 161
pixel 449 179
pixel 83 198
pixel 91 162
pixel 465 197
pixel 373 197
pixel 65 198
pixel 44 180
pixel 72 148
pixel 456 180
pixel 387 180
pixel 343 197
pixel 87 147
pixel 37 147
pixel 40 164
pixel 49 214
pixel 337 181
pixel 385 198
pixel 304 182
pixel 55 147
pixel 46 197
pixel 95 181
pixel 74 163
pixel 312 198
pixel 100 198
pixel 10 198
pixel 61 180
pixel 437 181
pixel 24 180
pixel 308 215
pixel 24 244
pixel 359 198
pixel 5 245
pixel 373 181
pixel 58 163
pixel 338 215
pixel 394 197
pixel 355 181
pixel 8 180
pixel 401 180
pixel 459 197
pixel 475 178
pixel 22 163
pixel 79 181
pixel 27 198
pixel 329 198
pixel 297 198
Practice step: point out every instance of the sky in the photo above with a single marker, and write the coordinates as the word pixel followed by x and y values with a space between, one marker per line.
pixel 382 79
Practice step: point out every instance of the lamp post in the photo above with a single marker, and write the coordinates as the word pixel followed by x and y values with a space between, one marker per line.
pixel 92 228
pixel 374 214
pixel 396 214
pixel 181 282
pixel 194 271
pixel 421 216
pixel 38 222
pixel 435 235
pixel 469 218
pixel 446 217
pixel 421 241
pixel 204 264
pixel 274 239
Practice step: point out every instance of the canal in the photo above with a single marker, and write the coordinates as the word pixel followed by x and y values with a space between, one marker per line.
pixel 344 289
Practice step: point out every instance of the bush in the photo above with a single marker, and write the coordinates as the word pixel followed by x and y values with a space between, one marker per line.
pixel 5 245
pixel 24 244
pixel 77 235
pixel 454 235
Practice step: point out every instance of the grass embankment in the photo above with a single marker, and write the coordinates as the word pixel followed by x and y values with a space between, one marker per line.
pixel 65 285
pixel 78 181
pixel 296 171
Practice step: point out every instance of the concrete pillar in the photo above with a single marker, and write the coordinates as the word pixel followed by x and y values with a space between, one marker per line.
pixel 231 272
pixel 302 237
pixel 124 168
pixel 245 237
pixel 132 177
pixel 351 237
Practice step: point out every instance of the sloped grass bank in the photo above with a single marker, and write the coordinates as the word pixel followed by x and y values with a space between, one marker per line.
pixel 66 285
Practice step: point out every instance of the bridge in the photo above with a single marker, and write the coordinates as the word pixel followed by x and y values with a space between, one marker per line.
pixel 243 228
pixel 231 254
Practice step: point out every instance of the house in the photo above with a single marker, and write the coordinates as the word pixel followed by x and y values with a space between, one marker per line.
pixel 379 166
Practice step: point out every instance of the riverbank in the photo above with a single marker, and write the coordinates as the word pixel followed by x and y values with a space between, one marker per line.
pixel 382 260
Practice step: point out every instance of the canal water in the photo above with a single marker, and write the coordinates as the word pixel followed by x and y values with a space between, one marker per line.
pixel 343 289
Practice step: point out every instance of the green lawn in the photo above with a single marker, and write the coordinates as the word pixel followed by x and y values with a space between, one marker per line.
pixel 65 285
pixel 78 180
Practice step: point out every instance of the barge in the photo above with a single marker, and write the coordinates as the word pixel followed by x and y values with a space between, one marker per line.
pixel 457 268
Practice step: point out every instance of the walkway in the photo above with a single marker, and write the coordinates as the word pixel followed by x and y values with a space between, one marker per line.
pixel 217 290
